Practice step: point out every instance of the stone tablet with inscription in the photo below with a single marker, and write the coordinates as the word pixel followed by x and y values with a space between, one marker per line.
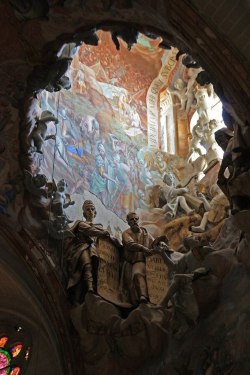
pixel 108 270
pixel 158 278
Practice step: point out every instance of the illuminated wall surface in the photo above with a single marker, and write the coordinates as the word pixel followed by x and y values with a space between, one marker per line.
pixel 101 143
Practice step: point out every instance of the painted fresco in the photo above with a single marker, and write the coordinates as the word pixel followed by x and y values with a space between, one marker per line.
pixel 101 139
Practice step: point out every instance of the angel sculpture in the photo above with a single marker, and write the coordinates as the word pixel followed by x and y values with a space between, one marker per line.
pixel 39 133
pixel 61 199
pixel 58 228
pixel 36 185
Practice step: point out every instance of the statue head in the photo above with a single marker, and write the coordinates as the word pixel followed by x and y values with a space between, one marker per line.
pixel 179 84
pixel 62 185
pixel 89 210
pixel 40 180
pixel 133 221
pixel 169 179
pixel 213 124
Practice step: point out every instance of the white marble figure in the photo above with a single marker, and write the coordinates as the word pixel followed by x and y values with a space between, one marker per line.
pixel 204 101
pixel 175 198
pixel 215 209
pixel 180 92
pixel 39 133
pixel 192 74
pixel 61 199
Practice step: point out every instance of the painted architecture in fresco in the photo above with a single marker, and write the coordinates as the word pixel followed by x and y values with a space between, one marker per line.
pixel 123 129
pixel 102 136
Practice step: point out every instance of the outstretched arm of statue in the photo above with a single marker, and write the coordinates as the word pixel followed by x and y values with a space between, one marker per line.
pixel 168 261
pixel 171 292
pixel 105 175
pixel 92 230
pixel 133 246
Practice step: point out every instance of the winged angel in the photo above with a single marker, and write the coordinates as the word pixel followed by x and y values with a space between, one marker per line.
pixel 55 199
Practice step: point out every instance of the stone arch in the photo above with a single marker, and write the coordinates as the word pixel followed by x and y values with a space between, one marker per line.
pixel 27 303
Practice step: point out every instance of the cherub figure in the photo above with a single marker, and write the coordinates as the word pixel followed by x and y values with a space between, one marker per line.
pixel 58 228
pixel 195 144
pixel 175 198
pixel 39 133
pixel 204 100
pixel 216 209
pixel 36 185
pixel 61 199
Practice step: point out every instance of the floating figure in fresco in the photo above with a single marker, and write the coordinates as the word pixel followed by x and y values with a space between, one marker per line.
pixel 162 166
pixel 100 176
pixel 39 133
pixel 216 209
pixel 142 200
pixel 69 129
pixel 180 92
pixel 160 163
pixel 61 199
pixel 64 132
pixel 81 254
pixel 90 131
pixel 124 104
pixel 80 81
pixel 145 174
pixel 124 196
pixel 137 244
pixel 135 118
pixel 175 198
